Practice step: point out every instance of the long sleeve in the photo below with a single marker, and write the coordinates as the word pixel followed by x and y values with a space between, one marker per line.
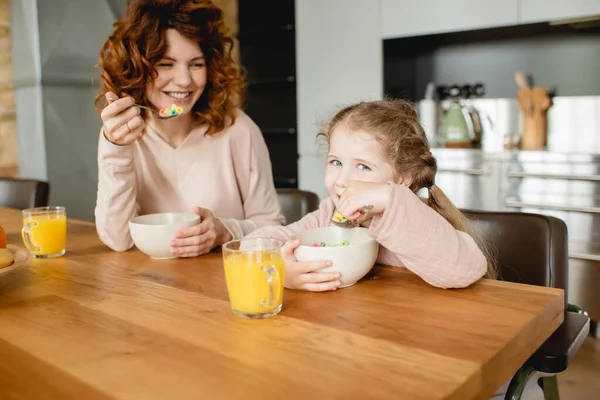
pixel 116 197
pixel 414 235
pixel 284 233
pixel 255 182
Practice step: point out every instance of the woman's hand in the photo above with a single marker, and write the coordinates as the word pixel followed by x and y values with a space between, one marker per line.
pixel 122 121
pixel 303 275
pixel 358 194
pixel 201 238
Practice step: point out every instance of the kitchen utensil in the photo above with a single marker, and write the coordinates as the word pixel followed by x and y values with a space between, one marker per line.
pixel 157 113
pixel 535 118
pixel 346 223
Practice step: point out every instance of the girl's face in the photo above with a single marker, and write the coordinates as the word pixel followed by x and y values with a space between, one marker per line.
pixel 354 156
pixel 182 74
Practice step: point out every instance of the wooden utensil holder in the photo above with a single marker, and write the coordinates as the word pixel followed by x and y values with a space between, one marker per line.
pixel 534 104
pixel 535 131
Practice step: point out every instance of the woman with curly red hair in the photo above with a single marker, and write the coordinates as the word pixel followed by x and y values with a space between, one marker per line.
pixel 212 159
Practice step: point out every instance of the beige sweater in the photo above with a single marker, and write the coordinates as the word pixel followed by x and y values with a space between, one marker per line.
pixel 410 234
pixel 228 173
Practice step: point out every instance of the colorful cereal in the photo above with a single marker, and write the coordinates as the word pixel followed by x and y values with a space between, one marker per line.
pixel 173 110
pixel 338 218
pixel 323 244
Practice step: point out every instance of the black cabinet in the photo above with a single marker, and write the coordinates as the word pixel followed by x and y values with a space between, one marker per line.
pixel 268 53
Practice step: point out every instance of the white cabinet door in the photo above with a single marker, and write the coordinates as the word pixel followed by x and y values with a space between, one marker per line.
pixel 402 18
pixel 339 61
pixel 548 10
pixel 468 179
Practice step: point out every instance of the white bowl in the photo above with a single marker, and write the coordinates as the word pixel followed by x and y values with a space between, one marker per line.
pixel 352 261
pixel 153 233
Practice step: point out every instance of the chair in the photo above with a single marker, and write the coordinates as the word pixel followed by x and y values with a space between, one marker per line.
pixel 533 249
pixel 296 203
pixel 23 193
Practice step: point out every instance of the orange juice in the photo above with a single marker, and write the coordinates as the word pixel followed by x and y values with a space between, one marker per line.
pixel 247 277
pixel 45 231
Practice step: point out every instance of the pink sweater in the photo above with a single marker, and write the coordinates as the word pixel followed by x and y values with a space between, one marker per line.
pixel 228 173
pixel 410 234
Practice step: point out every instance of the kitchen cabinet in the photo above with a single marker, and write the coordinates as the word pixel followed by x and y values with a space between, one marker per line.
pixel 531 11
pixel 565 186
pixel 267 52
pixel 562 185
pixel 468 179
pixel 402 18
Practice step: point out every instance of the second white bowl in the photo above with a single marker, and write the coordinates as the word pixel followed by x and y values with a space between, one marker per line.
pixel 152 233
pixel 352 261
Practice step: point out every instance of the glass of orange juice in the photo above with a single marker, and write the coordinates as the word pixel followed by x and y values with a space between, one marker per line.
pixel 254 276
pixel 45 231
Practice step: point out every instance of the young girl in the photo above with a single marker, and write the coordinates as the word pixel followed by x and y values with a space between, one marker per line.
pixel 379 156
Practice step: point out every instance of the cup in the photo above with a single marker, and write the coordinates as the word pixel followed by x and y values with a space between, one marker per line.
pixel 254 275
pixel 45 231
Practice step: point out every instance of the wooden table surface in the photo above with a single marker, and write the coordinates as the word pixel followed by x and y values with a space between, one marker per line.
pixel 96 324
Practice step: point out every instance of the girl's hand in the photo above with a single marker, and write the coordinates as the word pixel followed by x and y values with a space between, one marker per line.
pixel 303 275
pixel 202 238
pixel 358 194
pixel 122 121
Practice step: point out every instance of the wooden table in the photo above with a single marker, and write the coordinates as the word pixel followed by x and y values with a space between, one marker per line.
pixel 96 324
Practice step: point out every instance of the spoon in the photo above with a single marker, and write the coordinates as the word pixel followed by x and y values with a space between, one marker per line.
pixel 339 220
pixel 157 113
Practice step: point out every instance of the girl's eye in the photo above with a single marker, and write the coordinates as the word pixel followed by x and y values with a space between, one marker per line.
pixel 336 163
pixel 363 167
pixel 198 65
pixel 164 64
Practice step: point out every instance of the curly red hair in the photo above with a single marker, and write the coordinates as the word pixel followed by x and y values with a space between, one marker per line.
pixel 138 42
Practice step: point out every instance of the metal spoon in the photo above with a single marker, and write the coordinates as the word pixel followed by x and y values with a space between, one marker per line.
pixel 349 223
pixel 157 113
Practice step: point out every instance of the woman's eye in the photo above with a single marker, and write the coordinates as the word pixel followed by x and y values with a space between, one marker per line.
pixel 164 64
pixel 198 65
pixel 336 163
pixel 363 167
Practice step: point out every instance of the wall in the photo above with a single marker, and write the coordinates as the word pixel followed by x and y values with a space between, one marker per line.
pixel 339 60
pixel 57 44
pixel 568 63
pixel 8 135
pixel 568 60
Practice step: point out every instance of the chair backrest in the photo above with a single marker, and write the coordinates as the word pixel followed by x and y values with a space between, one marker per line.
pixel 531 248
pixel 23 193
pixel 296 203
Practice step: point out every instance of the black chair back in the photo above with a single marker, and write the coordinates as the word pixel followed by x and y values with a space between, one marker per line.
pixel 531 248
pixel 23 193
pixel 296 203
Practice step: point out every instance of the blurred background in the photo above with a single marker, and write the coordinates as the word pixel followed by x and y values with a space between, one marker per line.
pixel 508 93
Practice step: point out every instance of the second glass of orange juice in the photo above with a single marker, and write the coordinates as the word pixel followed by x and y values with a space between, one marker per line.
pixel 45 231
pixel 254 275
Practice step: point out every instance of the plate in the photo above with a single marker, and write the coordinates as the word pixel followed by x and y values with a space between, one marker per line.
pixel 20 255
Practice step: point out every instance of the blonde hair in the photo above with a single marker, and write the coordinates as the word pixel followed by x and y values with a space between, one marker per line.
pixel 395 124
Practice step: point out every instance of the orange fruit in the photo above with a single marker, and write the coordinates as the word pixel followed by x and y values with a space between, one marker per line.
pixel 2 238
